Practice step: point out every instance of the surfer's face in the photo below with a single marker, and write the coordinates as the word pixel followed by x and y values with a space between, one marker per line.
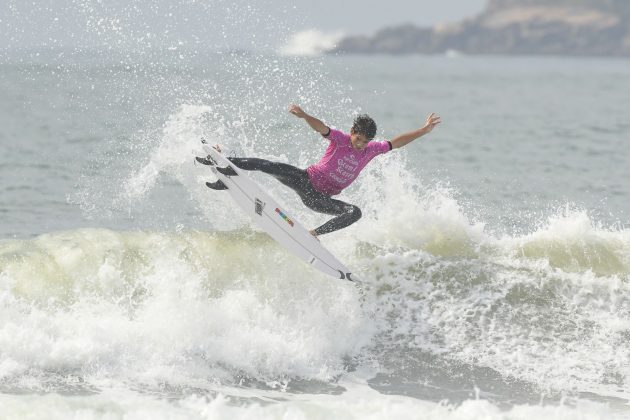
pixel 358 140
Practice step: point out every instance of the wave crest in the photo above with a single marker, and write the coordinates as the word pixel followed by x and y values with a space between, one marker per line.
pixel 310 42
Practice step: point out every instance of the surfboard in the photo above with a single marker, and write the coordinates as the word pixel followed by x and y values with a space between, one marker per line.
pixel 274 218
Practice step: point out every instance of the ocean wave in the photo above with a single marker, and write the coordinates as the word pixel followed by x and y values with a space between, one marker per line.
pixel 310 43
pixel 186 307
pixel 547 308
pixel 573 242
pixel 181 308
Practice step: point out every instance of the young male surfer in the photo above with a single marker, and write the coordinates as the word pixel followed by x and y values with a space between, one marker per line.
pixel 343 160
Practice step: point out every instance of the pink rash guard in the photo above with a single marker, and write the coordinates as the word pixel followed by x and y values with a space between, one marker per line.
pixel 341 164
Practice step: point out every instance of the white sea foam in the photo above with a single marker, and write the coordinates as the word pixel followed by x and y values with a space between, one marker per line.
pixel 152 308
pixel 555 318
pixel 311 42
pixel 574 242
pixel 195 308
pixel 119 404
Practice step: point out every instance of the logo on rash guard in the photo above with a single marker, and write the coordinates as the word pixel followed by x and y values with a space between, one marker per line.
pixel 284 216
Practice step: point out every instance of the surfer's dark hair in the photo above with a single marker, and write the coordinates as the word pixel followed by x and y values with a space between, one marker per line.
pixel 364 124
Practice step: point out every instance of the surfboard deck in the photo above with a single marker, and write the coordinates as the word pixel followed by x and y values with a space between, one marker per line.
pixel 274 219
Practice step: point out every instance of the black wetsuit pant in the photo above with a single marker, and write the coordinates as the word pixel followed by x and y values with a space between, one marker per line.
pixel 298 180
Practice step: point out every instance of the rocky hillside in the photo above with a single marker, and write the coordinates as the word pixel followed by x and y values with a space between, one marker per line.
pixel 541 27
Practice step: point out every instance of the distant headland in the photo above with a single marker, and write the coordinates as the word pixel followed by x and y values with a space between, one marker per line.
pixel 519 27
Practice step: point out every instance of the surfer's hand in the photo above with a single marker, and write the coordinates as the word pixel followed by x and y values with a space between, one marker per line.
pixel 432 121
pixel 297 111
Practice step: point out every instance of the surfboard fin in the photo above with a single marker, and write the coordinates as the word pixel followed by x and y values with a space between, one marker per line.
pixel 218 185
pixel 228 170
pixel 205 161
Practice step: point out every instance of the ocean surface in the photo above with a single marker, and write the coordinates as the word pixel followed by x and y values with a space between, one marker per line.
pixel 495 251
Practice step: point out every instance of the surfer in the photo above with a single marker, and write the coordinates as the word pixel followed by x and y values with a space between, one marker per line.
pixel 343 160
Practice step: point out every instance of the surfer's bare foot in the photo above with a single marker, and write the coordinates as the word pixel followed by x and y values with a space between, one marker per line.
pixel 217 148
pixel 312 232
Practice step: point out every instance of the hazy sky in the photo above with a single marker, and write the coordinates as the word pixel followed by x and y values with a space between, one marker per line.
pixel 213 23
pixel 356 16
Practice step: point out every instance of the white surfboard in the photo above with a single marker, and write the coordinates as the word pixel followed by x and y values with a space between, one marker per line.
pixel 275 219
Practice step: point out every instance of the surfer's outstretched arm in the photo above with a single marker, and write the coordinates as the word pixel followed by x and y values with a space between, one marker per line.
pixel 315 124
pixel 406 138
